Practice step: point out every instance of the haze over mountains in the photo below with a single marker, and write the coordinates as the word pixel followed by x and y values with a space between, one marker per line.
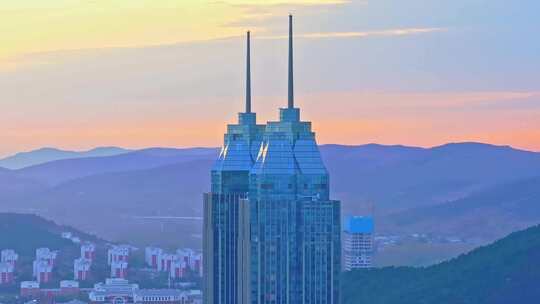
pixel 43 155
pixel 470 190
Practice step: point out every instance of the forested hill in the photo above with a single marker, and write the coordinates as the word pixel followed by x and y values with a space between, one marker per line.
pixel 507 271
pixel 25 232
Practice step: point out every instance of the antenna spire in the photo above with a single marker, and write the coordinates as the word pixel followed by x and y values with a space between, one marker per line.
pixel 291 79
pixel 248 75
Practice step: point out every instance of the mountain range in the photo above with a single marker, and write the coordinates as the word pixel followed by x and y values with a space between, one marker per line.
pixel 43 155
pixel 157 192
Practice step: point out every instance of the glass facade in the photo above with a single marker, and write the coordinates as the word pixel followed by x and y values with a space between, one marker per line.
pixel 271 231
pixel 295 247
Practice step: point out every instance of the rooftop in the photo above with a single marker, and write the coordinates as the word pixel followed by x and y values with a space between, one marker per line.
pixel 359 224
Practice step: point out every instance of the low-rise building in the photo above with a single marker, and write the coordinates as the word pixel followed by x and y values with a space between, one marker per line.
pixel 165 296
pixel 69 288
pixel 121 291
pixel 113 291
pixel 30 289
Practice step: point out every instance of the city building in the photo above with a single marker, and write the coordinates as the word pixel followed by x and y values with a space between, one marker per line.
pixel 358 242
pixel 271 232
pixel 6 273
pixel 166 296
pixel 185 254
pixel 113 291
pixel 72 302
pixel 9 256
pixel 118 254
pixel 69 288
pixel 151 256
pixel 88 251
pixel 45 254
pixel 178 269
pixel 165 261
pixel 119 269
pixel 229 184
pixel 119 291
pixel 81 269
pixel 30 289
pixel 42 271
pixel 196 264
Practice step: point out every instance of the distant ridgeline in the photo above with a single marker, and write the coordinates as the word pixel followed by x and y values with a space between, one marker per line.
pixel 507 271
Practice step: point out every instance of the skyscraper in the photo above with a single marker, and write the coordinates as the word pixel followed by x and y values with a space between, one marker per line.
pixel 358 242
pixel 229 184
pixel 272 234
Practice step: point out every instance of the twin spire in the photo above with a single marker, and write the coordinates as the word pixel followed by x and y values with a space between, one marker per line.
pixel 290 103
pixel 248 77
pixel 291 79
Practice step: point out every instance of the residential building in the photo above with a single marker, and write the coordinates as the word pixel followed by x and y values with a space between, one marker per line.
pixel 81 269
pixel 119 269
pixel 88 251
pixel 178 269
pixel 165 261
pixel 42 271
pixel 45 254
pixel 118 254
pixel 6 273
pixel 9 256
pixel 151 256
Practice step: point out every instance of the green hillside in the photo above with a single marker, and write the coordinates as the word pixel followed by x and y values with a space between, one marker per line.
pixel 24 233
pixel 507 271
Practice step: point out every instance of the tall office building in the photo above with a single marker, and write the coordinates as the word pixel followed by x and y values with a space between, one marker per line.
pixel 272 234
pixel 358 242
pixel 229 184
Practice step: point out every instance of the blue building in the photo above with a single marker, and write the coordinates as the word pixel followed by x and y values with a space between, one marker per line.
pixel 358 242
pixel 272 234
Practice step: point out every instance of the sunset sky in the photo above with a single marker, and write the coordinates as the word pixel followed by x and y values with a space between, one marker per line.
pixel 77 74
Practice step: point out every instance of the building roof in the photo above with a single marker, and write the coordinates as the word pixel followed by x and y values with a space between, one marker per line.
pixel 159 292
pixel 359 224
pixel 72 302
